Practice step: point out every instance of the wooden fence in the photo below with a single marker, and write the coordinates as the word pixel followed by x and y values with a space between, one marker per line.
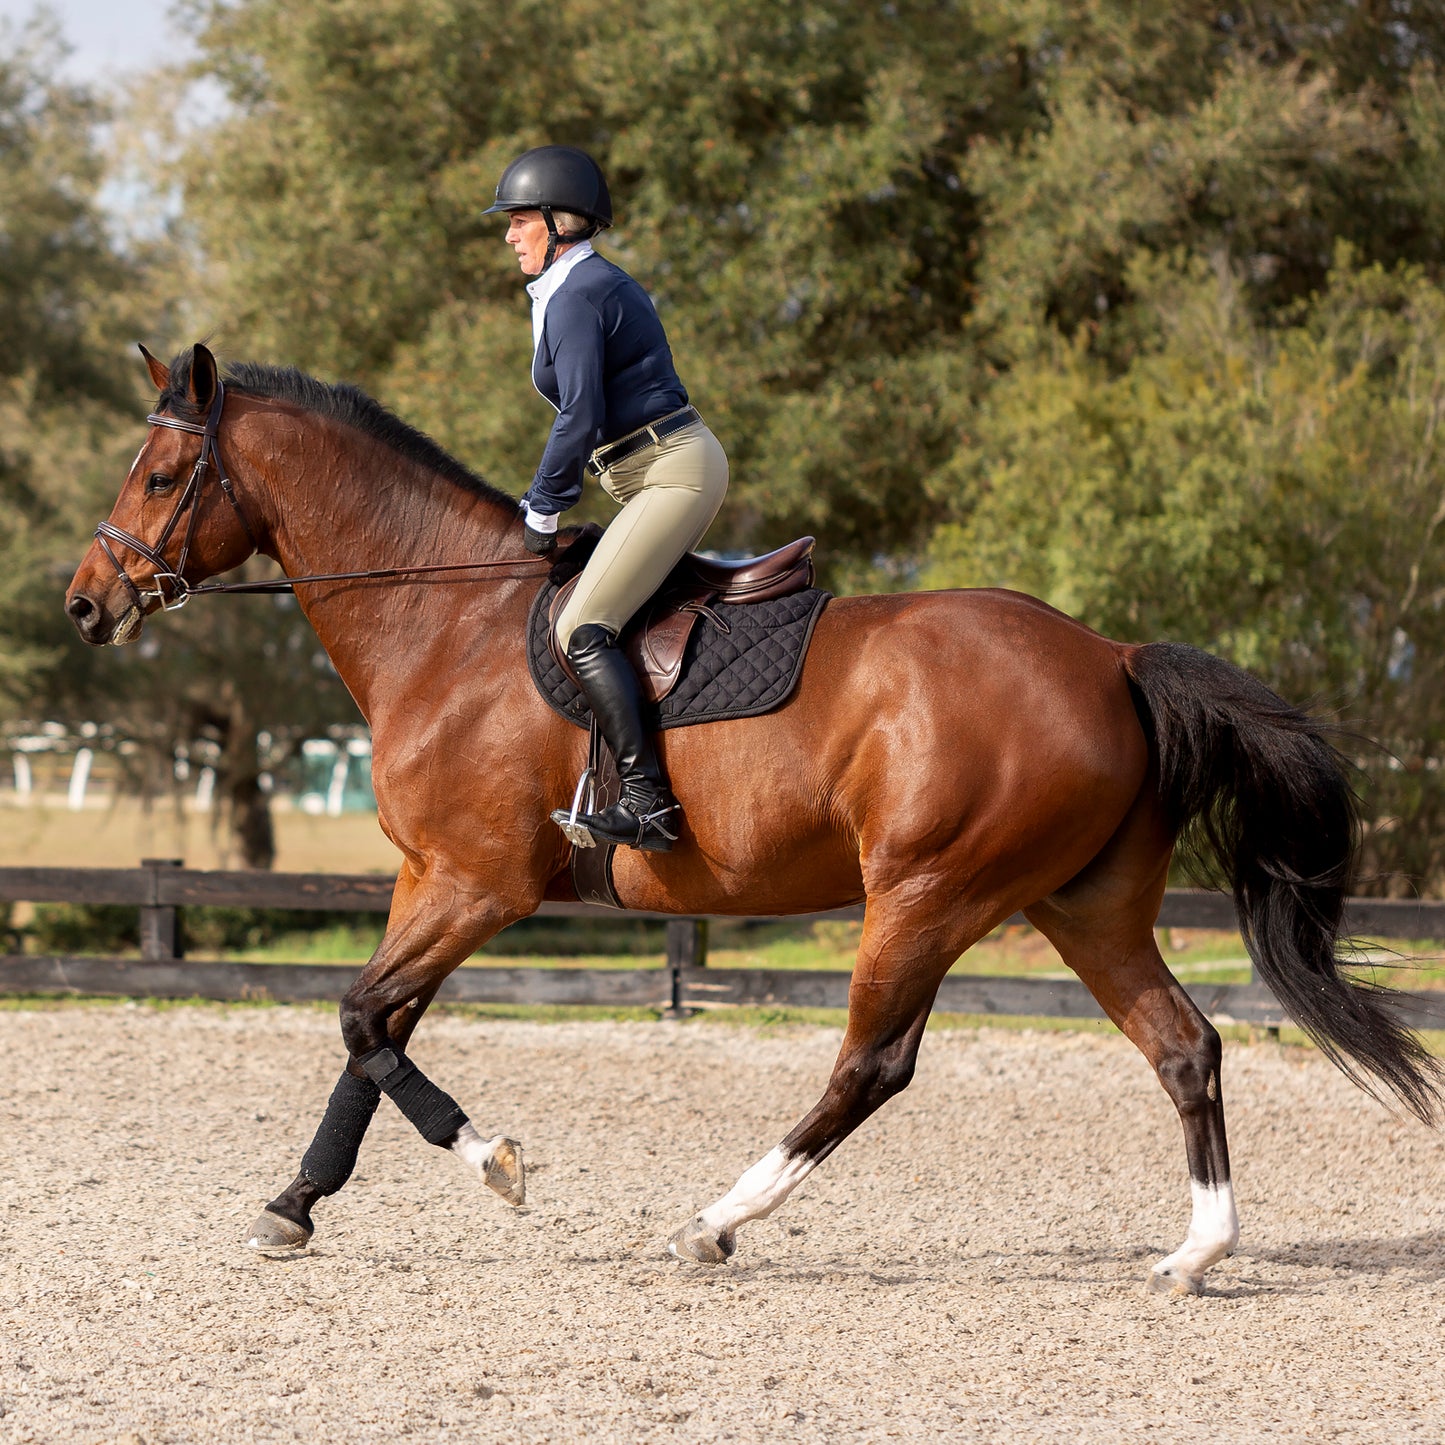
pixel 159 888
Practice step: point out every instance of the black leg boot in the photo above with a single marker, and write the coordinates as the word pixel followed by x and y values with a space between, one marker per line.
pixel 646 816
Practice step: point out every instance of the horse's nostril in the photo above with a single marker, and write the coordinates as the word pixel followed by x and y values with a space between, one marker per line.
pixel 80 608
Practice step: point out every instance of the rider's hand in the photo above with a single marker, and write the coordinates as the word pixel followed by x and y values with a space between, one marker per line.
pixel 539 529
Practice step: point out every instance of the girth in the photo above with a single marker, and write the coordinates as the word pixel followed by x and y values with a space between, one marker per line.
pixel 657 637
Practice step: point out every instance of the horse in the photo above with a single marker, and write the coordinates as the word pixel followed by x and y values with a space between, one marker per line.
pixel 949 759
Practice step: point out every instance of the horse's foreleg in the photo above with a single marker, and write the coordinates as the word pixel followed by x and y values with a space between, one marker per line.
pixel 1120 963
pixel 286 1222
pixel 378 1014
pixel 894 983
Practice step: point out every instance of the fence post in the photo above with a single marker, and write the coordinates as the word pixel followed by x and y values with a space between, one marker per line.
pixel 160 930
pixel 686 948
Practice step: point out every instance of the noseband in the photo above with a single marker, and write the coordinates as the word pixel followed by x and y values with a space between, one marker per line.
pixel 182 591
pixel 106 533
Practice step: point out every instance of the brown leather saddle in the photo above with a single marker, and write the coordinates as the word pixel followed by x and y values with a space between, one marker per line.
pixel 656 638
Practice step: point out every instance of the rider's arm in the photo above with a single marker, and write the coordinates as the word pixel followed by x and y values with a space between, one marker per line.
pixel 572 343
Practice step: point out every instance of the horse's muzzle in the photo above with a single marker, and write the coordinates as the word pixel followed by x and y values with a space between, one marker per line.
pixel 97 625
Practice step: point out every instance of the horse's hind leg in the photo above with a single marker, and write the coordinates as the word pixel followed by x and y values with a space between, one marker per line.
pixel 1103 927
pixel 902 958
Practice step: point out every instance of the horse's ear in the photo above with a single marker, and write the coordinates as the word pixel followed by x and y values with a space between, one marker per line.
pixel 201 389
pixel 159 374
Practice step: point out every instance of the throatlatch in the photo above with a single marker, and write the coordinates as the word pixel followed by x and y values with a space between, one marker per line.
pixel 436 1115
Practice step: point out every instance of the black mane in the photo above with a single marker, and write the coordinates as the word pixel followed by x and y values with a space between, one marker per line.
pixel 341 402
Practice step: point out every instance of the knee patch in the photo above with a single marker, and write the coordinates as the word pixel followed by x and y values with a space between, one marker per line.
pixel 332 1156
pixel 434 1113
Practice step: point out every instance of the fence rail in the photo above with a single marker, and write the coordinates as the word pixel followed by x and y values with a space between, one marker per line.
pixel 159 888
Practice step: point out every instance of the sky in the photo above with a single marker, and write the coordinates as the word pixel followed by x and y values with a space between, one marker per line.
pixel 109 37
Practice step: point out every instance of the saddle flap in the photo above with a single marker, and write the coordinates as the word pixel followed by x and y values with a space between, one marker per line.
pixel 657 638
pixel 655 648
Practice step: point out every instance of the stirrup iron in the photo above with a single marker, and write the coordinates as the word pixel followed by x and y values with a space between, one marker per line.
pixel 577 834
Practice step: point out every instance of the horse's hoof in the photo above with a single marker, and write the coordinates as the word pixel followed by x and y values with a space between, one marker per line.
pixel 1168 1281
pixel 274 1231
pixel 504 1172
pixel 696 1242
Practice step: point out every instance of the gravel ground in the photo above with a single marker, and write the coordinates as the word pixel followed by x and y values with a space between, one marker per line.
pixel 969 1266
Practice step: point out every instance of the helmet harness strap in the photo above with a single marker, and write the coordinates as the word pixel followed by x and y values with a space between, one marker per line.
pixel 555 237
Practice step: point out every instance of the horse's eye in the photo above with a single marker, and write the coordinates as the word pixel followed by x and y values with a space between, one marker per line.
pixel 159 482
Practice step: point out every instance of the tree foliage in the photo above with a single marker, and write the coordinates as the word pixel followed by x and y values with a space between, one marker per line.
pixel 72 303
pixel 1133 305
pixel 59 317
pixel 1274 492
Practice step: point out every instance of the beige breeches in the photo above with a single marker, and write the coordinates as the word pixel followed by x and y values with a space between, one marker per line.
pixel 669 493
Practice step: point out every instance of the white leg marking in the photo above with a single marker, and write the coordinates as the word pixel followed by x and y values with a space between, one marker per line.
pixel 498 1161
pixel 1213 1234
pixel 759 1191
pixel 472 1149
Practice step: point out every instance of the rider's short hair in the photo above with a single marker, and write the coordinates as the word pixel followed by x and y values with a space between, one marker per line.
pixel 569 224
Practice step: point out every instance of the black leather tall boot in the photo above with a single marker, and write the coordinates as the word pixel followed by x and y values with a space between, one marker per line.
pixel 647 813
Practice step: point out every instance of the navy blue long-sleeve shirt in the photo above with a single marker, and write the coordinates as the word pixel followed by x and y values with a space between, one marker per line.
pixel 603 361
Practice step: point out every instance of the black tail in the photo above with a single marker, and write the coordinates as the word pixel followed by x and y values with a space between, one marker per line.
pixel 1252 785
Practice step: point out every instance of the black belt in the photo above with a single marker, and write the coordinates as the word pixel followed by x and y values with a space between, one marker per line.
pixel 640 440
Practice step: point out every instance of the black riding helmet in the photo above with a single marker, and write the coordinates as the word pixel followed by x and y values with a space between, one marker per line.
pixel 556 178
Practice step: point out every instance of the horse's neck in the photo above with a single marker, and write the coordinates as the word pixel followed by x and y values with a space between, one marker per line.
pixel 341 502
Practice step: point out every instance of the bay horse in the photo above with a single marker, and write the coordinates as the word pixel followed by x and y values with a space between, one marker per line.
pixel 949 759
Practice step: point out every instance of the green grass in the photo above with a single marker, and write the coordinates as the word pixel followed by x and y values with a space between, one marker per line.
pixel 1196 956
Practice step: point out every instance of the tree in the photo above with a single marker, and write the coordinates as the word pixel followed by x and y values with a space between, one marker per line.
pixel 942 277
pixel 1276 494
pixel 782 195
pixel 59 327
pixel 72 302
pixel 840 210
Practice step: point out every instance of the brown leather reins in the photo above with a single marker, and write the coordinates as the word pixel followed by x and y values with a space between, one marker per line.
pixel 181 590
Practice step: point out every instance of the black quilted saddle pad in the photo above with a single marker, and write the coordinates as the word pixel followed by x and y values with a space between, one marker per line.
pixel 751 669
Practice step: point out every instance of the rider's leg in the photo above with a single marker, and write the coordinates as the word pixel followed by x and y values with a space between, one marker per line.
pixel 669 496
pixel 645 815
pixel 669 500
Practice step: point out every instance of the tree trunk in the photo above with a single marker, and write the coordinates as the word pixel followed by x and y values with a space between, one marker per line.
pixel 246 807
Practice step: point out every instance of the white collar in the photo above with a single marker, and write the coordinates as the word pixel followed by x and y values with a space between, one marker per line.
pixel 545 286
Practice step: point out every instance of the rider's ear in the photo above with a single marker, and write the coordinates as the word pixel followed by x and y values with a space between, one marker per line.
pixel 159 374
pixel 201 389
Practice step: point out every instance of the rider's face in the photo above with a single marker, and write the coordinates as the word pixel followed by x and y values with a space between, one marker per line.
pixel 527 236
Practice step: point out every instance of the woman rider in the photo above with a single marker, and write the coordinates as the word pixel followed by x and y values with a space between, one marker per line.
pixel 602 359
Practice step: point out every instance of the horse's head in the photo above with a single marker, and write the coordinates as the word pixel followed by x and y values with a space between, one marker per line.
pixel 168 527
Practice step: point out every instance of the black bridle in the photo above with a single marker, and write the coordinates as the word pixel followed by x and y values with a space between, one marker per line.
pixel 182 591
pixel 107 533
